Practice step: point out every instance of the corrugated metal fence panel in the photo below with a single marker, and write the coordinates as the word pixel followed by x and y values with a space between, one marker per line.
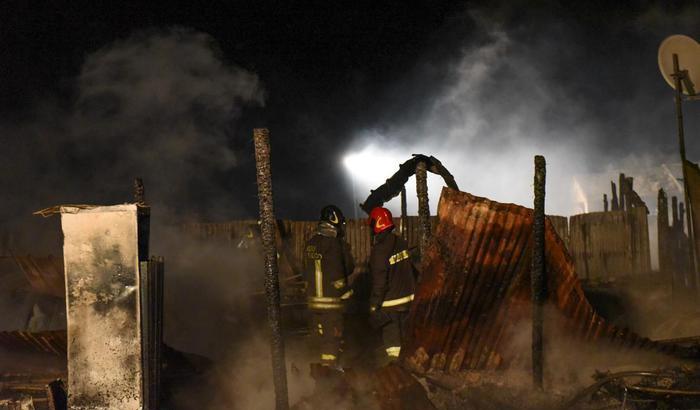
pixel 475 288
pixel 609 244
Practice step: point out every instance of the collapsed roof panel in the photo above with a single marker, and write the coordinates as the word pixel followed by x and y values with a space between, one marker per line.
pixel 475 288
pixel 45 274
pixel 50 342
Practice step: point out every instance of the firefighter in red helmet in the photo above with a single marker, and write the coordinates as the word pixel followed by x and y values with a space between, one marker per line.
pixel 328 264
pixel 393 281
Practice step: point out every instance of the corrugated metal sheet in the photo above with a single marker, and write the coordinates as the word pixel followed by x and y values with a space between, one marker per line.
pixel 45 274
pixel 51 342
pixel 475 288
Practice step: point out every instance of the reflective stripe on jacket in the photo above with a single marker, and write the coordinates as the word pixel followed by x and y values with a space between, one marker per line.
pixel 392 272
pixel 327 265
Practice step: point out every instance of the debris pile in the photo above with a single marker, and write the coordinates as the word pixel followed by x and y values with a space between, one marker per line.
pixel 388 388
pixel 673 388
pixel 475 290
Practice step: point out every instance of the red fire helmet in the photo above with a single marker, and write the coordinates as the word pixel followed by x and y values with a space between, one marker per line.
pixel 380 219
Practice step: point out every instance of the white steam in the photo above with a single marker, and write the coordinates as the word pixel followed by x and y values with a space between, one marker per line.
pixel 486 126
pixel 504 101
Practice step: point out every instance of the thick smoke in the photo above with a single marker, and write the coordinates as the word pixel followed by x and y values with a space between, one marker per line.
pixel 593 103
pixel 160 105
pixel 488 121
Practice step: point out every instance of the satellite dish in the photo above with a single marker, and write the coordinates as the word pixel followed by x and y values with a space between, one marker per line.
pixel 688 51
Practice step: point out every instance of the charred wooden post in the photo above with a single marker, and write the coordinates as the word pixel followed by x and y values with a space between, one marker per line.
pixel 404 214
pixel 139 192
pixel 261 138
pixel 615 204
pixel 538 273
pixel 681 217
pixel 629 193
pixel 678 235
pixel 674 212
pixel 423 206
pixel 623 193
pixel 687 246
pixel 605 202
pixel 662 232
pixel 56 396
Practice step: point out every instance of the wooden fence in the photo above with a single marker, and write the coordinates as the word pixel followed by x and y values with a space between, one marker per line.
pixel 602 244
pixel 561 226
pixel 675 257
pixel 605 245
pixel 292 237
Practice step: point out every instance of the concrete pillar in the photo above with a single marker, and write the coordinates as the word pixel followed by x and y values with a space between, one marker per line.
pixel 102 251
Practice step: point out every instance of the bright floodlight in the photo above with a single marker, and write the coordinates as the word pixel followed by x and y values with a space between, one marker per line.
pixel 351 161
pixel 372 167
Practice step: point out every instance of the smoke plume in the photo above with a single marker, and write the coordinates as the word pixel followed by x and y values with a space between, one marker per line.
pixel 593 103
pixel 161 105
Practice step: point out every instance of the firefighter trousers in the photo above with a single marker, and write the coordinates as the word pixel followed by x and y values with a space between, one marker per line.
pixel 326 327
pixel 392 323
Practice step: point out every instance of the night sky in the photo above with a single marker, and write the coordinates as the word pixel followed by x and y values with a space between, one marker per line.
pixel 94 95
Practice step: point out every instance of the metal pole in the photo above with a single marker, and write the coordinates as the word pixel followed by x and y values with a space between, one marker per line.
pixel 538 272
pixel 677 75
pixel 423 206
pixel 261 138
pixel 404 214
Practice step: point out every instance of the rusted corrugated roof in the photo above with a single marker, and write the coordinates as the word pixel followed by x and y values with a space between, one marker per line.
pixel 475 288
pixel 51 342
pixel 45 274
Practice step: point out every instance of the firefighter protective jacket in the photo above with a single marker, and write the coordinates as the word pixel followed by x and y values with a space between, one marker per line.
pixel 327 265
pixel 392 271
